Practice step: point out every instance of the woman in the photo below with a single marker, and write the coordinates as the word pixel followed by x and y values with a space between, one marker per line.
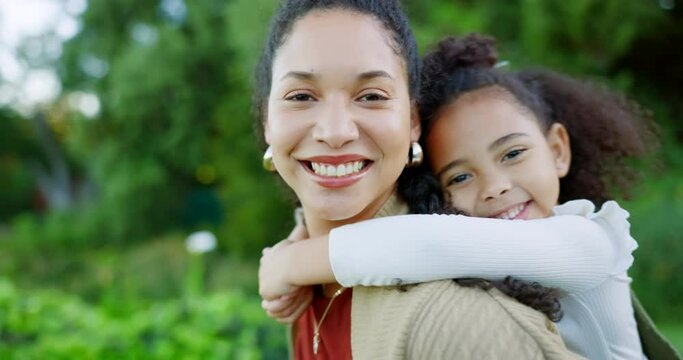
pixel 334 96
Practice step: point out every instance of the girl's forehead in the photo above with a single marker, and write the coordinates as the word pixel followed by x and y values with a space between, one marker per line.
pixel 486 94
pixel 482 113
pixel 496 100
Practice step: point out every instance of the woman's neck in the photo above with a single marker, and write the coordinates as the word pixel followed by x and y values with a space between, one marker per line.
pixel 319 226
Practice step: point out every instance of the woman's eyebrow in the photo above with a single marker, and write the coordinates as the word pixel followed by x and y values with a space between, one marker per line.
pixel 309 76
pixel 502 140
pixel 301 75
pixel 374 74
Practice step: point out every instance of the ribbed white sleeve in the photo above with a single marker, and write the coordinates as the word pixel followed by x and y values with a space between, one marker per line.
pixel 599 323
pixel 571 252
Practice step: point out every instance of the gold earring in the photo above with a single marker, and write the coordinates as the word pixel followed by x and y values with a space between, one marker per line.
pixel 415 154
pixel 268 160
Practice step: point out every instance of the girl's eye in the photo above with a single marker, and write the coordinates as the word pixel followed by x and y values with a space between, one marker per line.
pixel 513 154
pixel 373 97
pixel 299 97
pixel 459 179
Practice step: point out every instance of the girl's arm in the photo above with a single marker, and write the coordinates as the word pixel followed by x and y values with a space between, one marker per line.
pixel 570 252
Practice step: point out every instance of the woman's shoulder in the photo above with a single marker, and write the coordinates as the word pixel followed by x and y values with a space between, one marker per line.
pixel 467 320
pixel 479 319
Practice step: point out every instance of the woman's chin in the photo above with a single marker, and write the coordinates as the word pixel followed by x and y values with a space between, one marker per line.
pixel 342 205
pixel 335 211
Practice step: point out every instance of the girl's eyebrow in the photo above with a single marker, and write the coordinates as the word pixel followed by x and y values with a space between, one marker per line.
pixel 502 140
pixel 499 142
pixel 449 166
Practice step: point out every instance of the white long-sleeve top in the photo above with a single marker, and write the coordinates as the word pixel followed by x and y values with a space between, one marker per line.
pixel 581 251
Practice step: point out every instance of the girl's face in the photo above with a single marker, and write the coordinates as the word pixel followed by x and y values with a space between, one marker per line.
pixel 339 115
pixel 493 159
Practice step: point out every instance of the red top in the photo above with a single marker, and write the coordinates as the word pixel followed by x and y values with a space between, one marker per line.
pixel 335 331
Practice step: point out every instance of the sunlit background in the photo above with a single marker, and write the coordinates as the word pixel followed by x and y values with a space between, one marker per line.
pixel 133 206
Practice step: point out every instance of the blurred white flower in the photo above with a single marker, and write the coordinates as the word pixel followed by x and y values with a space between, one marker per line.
pixel 200 242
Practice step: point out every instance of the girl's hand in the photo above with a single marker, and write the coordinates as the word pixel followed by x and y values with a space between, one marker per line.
pixel 288 308
pixel 298 233
pixel 273 267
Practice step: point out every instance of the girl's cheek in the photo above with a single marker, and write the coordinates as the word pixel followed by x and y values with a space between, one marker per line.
pixel 463 201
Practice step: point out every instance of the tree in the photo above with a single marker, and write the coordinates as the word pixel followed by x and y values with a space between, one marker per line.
pixel 174 119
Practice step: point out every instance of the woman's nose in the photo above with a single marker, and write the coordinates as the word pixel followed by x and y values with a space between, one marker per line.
pixel 337 125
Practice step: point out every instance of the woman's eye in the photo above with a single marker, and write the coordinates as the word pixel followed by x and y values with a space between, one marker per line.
pixel 299 97
pixel 513 154
pixel 373 97
pixel 458 179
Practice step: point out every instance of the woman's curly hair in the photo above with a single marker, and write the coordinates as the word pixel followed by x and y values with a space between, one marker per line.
pixel 605 130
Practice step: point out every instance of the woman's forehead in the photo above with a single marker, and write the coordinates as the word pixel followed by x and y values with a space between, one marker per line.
pixel 337 42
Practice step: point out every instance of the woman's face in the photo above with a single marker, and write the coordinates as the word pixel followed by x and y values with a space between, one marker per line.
pixel 339 115
pixel 493 159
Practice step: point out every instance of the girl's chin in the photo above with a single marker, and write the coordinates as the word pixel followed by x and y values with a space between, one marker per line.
pixel 536 213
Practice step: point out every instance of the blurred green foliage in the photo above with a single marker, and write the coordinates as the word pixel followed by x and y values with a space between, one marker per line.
pixel 17 146
pixel 173 150
pixel 53 325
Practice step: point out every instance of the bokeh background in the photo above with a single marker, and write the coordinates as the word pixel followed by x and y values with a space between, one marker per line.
pixel 125 127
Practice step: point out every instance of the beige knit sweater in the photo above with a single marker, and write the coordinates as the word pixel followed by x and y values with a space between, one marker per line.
pixel 441 320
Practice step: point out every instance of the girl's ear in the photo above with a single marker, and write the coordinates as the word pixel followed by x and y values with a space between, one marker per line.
pixel 415 126
pixel 558 141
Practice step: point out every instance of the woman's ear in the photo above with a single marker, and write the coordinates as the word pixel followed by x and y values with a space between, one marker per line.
pixel 415 126
pixel 266 132
pixel 558 141
pixel 264 123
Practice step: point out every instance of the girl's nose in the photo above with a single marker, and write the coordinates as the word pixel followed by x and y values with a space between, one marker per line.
pixel 495 186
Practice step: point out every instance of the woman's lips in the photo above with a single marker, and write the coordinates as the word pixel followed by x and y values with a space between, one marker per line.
pixel 336 171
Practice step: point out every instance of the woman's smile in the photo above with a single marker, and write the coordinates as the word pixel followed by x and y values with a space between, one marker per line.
pixel 339 116
pixel 337 171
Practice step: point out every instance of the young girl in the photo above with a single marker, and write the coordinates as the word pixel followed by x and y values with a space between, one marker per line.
pixel 499 144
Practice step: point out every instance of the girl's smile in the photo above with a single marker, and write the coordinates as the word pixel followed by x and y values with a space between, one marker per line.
pixel 494 160
pixel 518 211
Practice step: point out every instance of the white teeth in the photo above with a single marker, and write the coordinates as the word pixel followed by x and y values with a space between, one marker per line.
pixel 512 213
pixel 337 171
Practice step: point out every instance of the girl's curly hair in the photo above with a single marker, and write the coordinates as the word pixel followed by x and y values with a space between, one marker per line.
pixel 605 130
